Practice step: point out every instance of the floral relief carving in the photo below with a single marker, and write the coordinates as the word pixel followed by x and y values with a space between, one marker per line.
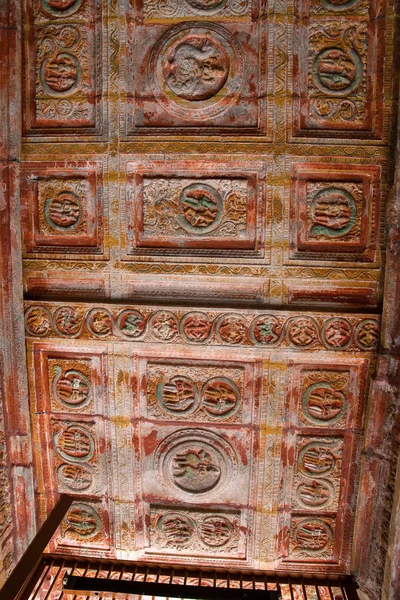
pixel 61 55
pixel 337 73
pixel 172 9
pixel 177 208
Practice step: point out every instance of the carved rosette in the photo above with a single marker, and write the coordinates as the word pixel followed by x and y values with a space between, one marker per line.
pixel 154 10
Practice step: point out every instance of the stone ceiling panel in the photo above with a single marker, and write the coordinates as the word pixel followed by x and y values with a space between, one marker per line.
pixel 212 441
pixel 203 193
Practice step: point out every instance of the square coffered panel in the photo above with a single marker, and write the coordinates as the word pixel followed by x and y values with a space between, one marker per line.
pixel 203 190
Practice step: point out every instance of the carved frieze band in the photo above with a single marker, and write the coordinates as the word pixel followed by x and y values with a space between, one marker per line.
pixel 207 533
pixel 203 207
pixel 334 211
pixel 212 327
pixel 63 76
pixel 62 207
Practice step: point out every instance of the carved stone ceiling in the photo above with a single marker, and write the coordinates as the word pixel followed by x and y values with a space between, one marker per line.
pixel 203 189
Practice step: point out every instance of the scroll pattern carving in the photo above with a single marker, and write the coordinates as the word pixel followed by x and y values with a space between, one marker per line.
pixel 334 211
pixel 204 208
pixel 172 9
pixel 205 393
pixel 248 328
pixel 63 207
pixel 198 71
pixel 337 211
pixel 208 532
pixel 70 383
pixel 61 56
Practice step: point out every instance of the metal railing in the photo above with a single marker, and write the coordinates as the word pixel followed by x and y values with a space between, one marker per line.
pixel 40 576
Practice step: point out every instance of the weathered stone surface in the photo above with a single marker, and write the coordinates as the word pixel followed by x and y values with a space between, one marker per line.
pixel 203 192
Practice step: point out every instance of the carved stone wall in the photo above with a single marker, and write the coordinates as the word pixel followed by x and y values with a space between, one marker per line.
pixel 202 209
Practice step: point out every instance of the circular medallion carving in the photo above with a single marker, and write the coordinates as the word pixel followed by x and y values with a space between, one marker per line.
pixel 367 334
pixel 71 389
pixel 312 535
pixel 164 325
pixel 215 531
pixel 67 321
pixel 337 72
pixel 196 468
pixel 201 208
pixel 38 321
pixel 196 462
pixel 75 477
pixel 197 71
pixel 82 520
pixel 63 212
pixel 74 443
pixel 220 397
pixel 207 4
pixel 303 331
pixel 61 7
pixel 340 4
pixel 266 330
pixel 99 322
pixel 176 529
pixel 196 327
pixel 232 329
pixel 196 66
pixel 333 212
pixel 315 493
pixel 316 459
pixel 322 403
pixel 336 333
pixel 131 323
pixel 60 73
pixel 178 395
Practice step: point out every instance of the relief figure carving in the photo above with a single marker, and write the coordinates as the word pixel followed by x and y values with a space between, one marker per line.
pixel 71 388
pixel 196 67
